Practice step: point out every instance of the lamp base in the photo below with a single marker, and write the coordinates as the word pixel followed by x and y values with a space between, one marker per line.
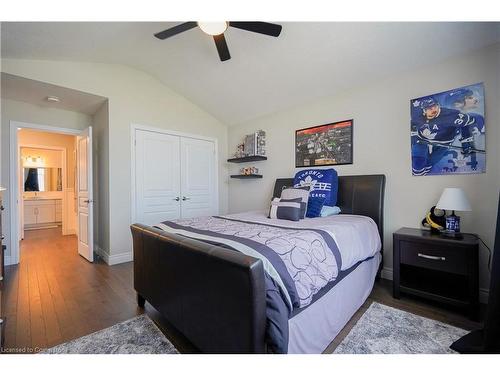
pixel 453 223
pixel 452 234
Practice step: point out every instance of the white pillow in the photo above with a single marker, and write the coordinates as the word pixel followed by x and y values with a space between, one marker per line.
pixel 294 193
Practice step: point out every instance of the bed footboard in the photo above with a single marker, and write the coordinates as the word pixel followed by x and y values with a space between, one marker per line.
pixel 214 296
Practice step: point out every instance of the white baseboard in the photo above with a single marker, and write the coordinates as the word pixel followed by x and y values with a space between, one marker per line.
pixel 8 260
pixel 483 292
pixel 386 273
pixel 114 258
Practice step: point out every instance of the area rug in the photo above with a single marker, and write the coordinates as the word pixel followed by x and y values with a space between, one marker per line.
pixel 386 330
pixel 138 335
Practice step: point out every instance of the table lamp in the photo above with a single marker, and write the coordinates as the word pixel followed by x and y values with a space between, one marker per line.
pixel 453 199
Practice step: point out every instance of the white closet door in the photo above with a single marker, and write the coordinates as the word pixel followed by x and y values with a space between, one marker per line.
pixel 198 179
pixel 157 171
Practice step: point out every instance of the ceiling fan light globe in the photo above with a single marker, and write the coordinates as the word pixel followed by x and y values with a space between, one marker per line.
pixel 213 28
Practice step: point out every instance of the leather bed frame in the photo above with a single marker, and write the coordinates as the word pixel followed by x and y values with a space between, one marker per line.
pixel 214 296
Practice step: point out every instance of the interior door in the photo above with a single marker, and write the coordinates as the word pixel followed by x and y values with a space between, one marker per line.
pixel 84 194
pixel 198 178
pixel 157 177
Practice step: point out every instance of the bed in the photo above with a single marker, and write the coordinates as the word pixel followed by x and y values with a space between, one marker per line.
pixel 224 301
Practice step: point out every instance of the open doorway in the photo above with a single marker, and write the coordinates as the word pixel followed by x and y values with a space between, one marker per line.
pixel 47 183
pixel 51 184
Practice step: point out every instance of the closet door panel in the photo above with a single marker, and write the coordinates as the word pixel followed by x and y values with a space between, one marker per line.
pixel 198 178
pixel 157 172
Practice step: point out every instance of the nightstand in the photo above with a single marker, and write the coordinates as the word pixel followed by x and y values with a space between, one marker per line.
pixel 442 269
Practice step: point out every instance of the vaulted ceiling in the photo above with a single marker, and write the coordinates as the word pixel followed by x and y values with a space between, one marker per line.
pixel 309 60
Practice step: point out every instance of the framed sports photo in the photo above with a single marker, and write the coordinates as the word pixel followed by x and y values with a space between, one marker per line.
pixel 448 132
pixel 329 144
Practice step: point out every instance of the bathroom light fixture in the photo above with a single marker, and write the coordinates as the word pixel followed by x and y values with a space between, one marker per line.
pixel 53 99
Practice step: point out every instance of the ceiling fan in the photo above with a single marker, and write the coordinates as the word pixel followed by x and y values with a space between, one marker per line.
pixel 217 29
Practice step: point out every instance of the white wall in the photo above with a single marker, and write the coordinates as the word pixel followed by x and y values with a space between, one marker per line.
pixel 134 97
pixel 382 145
pixel 12 110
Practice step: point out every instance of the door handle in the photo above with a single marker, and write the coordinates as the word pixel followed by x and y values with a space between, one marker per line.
pixel 430 257
pixel 88 201
pixel 185 198
pixel 177 199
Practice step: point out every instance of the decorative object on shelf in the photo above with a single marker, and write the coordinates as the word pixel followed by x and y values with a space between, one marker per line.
pixel 240 151
pixel 249 170
pixel 453 199
pixel 250 146
pixel 261 143
pixel 329 144
pixel 253 145
pixel 448 132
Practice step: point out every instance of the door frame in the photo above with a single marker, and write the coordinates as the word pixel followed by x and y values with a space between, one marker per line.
pixel 133 128
pixel 14 194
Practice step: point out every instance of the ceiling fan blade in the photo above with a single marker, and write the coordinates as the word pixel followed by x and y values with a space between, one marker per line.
pixel 220 43
pixel 176 30
pixel 266 28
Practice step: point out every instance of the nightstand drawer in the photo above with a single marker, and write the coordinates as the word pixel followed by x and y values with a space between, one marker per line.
pixel 438 258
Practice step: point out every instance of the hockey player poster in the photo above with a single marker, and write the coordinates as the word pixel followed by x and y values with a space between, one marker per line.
pixel 329 144
pixel 448 132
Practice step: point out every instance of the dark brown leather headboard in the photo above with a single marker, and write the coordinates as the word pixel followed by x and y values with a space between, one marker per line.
pixel 357 195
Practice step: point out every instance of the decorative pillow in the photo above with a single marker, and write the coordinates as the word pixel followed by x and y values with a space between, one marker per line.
pixel 286 209
pixel 293 193
pixel 314 206
pixel 329 211
pixel 323 183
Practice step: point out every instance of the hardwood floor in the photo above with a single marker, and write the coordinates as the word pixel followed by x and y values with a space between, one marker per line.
pixel 54 295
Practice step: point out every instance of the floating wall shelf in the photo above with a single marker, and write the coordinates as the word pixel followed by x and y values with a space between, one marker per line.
pixel 247 159
pixel 246 176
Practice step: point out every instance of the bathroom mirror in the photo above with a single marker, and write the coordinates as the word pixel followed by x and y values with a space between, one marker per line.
pixel 42 179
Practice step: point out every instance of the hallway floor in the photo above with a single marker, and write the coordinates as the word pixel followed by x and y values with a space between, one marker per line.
pixel 54 295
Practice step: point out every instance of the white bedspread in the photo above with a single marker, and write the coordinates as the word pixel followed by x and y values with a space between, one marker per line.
pixel 356 236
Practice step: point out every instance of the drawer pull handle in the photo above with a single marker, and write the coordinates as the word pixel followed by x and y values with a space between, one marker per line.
pixel 430 257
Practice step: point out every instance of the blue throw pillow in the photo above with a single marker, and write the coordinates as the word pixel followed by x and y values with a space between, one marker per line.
pixel 314 206
pixel 324 183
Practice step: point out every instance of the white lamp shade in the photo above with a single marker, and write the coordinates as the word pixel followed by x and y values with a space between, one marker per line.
pixel 453 199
